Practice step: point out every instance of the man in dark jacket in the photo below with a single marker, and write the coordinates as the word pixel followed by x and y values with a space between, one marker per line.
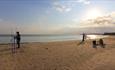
pixel 18 38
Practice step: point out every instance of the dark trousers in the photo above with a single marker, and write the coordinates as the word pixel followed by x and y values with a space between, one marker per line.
pixel 18 43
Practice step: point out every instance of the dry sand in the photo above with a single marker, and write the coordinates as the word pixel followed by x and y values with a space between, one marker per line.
pixel 68 55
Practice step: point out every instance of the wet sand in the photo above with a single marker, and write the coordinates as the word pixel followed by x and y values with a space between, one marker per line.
pixel 66 55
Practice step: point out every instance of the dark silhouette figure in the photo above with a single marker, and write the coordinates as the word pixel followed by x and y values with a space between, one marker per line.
pixel 84 37
pixel 101 43
pixel 18 38
pixel 94 44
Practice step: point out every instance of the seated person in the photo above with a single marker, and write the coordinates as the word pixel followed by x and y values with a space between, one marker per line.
pixel 101 43
pixel 94 44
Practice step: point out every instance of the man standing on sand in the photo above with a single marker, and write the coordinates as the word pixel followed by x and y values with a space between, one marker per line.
pixel 84 37
pixel 18 38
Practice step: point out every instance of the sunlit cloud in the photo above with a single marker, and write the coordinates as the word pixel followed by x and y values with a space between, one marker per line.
pixel 104 21
pixel 93 13
pixel 98 25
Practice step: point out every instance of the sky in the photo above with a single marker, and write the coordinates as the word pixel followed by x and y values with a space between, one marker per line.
pixel 57 16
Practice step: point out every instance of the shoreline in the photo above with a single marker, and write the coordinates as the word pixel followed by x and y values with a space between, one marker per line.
pixel 42 42
pixel 61 41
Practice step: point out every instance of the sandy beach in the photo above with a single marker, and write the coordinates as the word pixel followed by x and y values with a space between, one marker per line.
pixel 67 55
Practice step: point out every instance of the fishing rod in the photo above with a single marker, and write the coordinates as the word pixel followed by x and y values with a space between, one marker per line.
pixel 13 42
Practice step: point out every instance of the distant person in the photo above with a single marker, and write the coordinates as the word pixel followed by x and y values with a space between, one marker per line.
pixel 101 43
pixel 94 44
pixel 18 38
pixel 84 37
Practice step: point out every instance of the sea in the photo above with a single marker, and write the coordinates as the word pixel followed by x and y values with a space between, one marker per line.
pixel 46 38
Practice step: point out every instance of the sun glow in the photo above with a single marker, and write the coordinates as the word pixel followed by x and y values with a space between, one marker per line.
pixel 93 13
pixel 92 36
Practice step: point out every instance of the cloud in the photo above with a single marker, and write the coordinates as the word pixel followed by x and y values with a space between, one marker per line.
pixel 61 7
pixel 84 1
pixel 67 6
pixel 104 21
pixel 99 25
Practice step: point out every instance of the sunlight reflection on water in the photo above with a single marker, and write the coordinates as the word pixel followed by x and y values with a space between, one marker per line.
pixel 95 36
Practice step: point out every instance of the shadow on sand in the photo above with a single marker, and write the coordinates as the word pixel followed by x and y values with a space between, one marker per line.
pixel 10 50
pixel 81 43
pixel 5 49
